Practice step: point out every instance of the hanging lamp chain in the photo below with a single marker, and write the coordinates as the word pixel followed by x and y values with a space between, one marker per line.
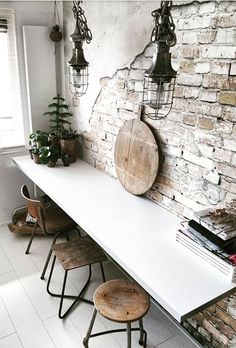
pixel 82 21
pixel 164 25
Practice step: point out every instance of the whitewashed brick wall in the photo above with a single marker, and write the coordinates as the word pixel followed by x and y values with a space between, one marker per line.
pixel 197 141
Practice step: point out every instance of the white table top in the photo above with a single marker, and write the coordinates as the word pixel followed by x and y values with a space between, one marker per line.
pixel 137 233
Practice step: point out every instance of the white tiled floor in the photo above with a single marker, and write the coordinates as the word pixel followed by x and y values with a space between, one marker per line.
pixel 28 315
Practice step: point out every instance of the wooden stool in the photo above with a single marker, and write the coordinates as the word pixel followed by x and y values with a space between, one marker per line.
pixel 121 301
pixel 73 254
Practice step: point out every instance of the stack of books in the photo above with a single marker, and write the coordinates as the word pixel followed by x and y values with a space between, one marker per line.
pixel 214 242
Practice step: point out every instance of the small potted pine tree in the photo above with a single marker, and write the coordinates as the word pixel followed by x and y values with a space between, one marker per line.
pixel 58 116
pixel 58 120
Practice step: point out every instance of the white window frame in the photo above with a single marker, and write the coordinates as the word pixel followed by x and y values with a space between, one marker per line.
pixel 17 133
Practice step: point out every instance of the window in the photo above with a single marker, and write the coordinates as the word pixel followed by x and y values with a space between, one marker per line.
pixel 11 121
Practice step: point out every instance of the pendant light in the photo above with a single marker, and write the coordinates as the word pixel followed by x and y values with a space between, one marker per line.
pixel 159 79
pixel 78 66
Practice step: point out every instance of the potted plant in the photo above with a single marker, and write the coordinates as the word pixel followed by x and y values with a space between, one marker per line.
pixel 37 139
pixel 58 116
pixel 34 153
pixel 49 155
pixel 69 143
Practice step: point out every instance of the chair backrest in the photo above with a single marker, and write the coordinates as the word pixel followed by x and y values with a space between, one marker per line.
pixel 35 206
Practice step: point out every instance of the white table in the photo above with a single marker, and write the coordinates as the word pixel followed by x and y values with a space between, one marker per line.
pixel 137 233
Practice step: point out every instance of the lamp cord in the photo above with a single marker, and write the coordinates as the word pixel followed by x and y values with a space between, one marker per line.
pixel 164 25
pixel 82 21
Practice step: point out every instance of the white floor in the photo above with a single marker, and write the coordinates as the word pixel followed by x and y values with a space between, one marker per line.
pixel 28 315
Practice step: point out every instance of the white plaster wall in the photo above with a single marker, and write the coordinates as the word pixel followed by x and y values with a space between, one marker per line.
pixel 121 30
pixel 11 179
pixel 41 73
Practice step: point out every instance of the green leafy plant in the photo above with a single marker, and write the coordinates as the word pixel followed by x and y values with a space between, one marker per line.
pixel 69 134
pixel 48 155
pixel 58 117
pixel 38 139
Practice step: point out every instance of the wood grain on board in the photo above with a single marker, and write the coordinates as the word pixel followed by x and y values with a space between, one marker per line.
pixel 136 157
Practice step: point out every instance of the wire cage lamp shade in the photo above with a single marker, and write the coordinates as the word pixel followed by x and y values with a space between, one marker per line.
pixel 159 79
pixel 78 66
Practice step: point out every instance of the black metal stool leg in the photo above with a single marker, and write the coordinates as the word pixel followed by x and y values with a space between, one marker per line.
pixel 50 275
pixel 49 255
pixel 103 274
pixel 86 339
pixel 62 295
pixel 143 334
pixel 31 238
pixel 128 335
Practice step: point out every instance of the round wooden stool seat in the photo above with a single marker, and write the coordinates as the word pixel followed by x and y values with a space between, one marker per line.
pixel 121 301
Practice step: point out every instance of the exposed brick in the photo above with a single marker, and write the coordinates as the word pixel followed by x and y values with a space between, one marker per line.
pixel 189 80
pixel 234 160
pixel 214 81
pixel 226 318
pixel 178 92
pixel 202 67
pixel 225 36
pixel 206 123
pixel 207 7
pixel 232 70
pixel 208 95
pixel 205 150
pixel 190 119
pixel 219 52
pixel 204 333
pixel 222 304
pixel 210 109
pixel 223 155
pixel 206 37
pixel 230 144
pixel 220 68
pixel 228 98
pixel 210 139
pixel 229 113
pixel 203 21
pixel 190 37
pixel 190 52
pixel 213 177
pixel 201 161
pixel 225 20
pixel 196 140
pixel 216 333
pixel 224 127
pixel 187 66
pixel 191 92
pixel 226 170
pixel 228 185
pixel 226 6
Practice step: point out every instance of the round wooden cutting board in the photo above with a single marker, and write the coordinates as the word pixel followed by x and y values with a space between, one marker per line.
pixel 136 156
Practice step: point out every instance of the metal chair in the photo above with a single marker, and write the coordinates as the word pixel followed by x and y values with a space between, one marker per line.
pixel 52 220
pixel 74 254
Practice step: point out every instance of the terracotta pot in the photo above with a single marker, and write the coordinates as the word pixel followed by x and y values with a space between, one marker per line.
pixel 36 158
pixel 69 147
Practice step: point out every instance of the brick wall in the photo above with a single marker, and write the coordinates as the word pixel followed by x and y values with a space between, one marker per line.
pixel 197 141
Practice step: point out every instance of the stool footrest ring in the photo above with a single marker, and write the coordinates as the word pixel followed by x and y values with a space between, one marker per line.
pixel 142 340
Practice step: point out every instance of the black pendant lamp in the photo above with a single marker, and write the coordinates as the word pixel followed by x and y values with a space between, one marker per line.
pixel 78 66
pixel 159 79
